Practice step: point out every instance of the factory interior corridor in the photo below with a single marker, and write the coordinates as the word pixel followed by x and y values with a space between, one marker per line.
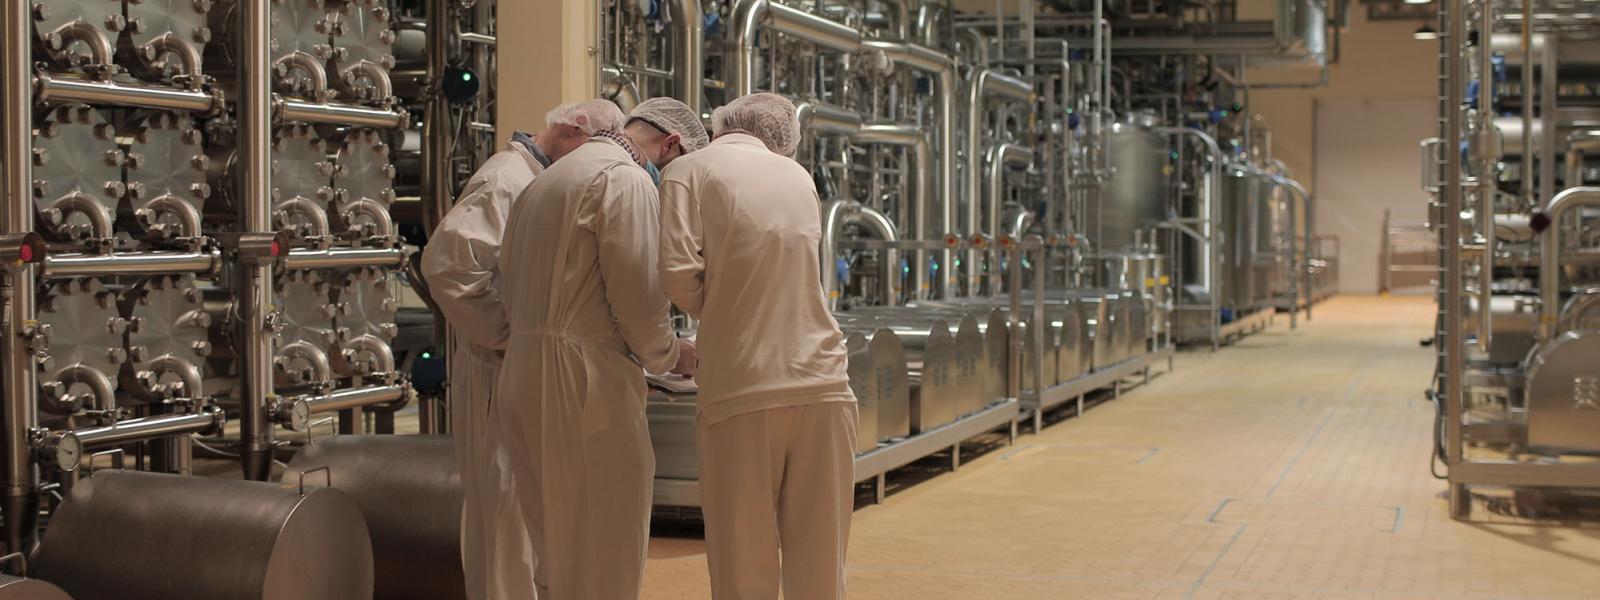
pixel 1293 465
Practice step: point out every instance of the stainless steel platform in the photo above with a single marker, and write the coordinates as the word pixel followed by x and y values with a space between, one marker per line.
pixel 873 465
pixel 1034 405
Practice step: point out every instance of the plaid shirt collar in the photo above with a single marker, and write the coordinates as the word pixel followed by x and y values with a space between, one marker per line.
pixel 627 144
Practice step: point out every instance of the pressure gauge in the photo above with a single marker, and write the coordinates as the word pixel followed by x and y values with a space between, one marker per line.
pixel 295 414
pixel 63 449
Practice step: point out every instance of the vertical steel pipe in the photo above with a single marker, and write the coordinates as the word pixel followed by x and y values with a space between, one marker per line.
pixel 687 50
pixel 944 71
pixel 255 282
pixel 881 226
pixel 1488 186
pixel 906 135
pixel 1450 223
pixel 16 216
pixel 1548 77
pixel 1000 157
pixel 437 132
pixel 984 84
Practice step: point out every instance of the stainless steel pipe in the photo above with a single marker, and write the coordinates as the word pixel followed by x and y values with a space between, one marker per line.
pixel 749 15
pixel 944 72
pixel 1550 251
pixel 907 135
pixel 255 282
pixel 354 398
pixel 129 263
pixel 1579 143
pixel 339 114
pixel 985 84
pixel 1000 157
pixel 688 48
pixel 21 416
pixel 207 421
pixel 58 89
pixel 343 258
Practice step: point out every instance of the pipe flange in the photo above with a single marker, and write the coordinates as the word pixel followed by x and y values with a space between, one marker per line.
pixel 364 188
pixel 78 176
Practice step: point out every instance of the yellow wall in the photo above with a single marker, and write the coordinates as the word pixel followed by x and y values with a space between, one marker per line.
pixel 545 58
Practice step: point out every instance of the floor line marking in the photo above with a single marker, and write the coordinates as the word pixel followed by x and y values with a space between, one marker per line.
pixel 1298 455
pixel 1214 562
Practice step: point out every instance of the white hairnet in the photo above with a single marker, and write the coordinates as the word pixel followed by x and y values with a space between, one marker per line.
pixel 672 116
pixel 591 116
pixel 769 117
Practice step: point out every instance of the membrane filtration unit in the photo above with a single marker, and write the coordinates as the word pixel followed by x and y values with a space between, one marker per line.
pixel 212 210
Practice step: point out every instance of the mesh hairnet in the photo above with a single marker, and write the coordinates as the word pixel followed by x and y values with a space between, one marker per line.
pixel 769 117
pixel 672 116
pixel 591 116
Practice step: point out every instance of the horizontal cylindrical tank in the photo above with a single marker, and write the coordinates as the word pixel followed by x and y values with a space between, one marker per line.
pixel 17 588
pixel 124 535
pixel 878 378
pixel 409 489
pixel 931 370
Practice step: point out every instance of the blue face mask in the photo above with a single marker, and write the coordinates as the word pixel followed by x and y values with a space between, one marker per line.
pixel 655 174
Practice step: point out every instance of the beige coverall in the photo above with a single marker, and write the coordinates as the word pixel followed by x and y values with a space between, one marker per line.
pixel 776 423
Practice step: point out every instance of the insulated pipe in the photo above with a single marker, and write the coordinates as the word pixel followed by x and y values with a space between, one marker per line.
pixel 986 84
pixel 255 282
pixel 59 266
pixel 883 229
pixel 688 64
pixel 907 135
pixel 944 70
pixel 208 420
pixel 1550 250
pixel 56 89
pixel 20 414
pixel 1577 144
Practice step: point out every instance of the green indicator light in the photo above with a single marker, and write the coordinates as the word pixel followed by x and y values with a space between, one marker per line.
pixel 427 355
pixel 466 77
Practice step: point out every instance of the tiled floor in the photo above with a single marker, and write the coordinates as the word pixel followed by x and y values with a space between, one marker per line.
pixel 1293 465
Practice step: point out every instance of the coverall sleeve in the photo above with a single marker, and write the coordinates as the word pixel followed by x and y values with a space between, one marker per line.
pixel 628 232
pixel 461 258
pixel 683 268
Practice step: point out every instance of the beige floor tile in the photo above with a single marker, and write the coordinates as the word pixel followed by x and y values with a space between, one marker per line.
pixel 1291 465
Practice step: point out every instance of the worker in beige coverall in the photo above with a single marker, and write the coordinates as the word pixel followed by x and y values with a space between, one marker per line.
pixel 776 424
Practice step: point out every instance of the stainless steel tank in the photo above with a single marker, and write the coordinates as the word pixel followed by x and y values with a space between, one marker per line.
pixel 126 535
pixel 1564 393
pixel 672 434
pixel 1136 195
pixel 930 349
pixel 991 322
pixel 1242 191
pixel 878 378
pixel 409 489
pixel 18 588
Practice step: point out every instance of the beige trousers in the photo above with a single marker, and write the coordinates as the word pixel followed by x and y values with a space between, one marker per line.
pixel 777 487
